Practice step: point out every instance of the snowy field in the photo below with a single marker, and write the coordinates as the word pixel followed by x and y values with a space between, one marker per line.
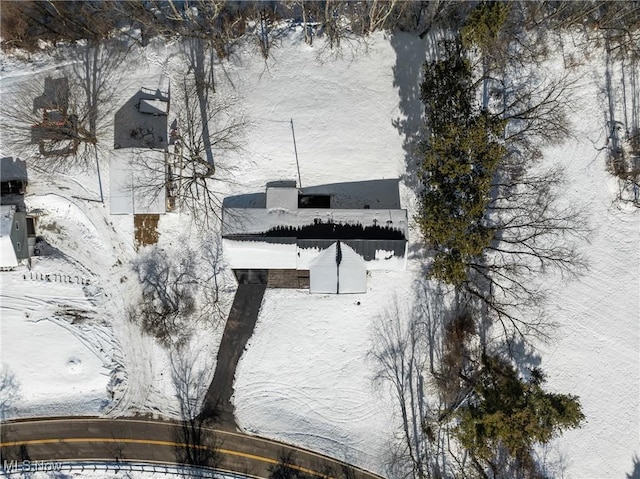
pixel 595 352
pixel 305 377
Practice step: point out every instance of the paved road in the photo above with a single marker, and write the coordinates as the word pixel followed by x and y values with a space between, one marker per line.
pixel 143 440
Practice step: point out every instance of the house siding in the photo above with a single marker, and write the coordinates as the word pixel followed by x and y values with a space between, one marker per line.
pixel 19 235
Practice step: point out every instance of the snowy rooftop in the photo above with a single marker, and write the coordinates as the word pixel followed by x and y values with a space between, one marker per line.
pixel 137 180
pixel 376 194
pixel 288 228
pixel 154 107
pixel 8 258
pixel 374 206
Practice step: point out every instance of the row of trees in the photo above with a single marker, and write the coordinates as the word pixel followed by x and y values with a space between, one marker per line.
pixel 471 394
pixel 489 211
pixel 26 23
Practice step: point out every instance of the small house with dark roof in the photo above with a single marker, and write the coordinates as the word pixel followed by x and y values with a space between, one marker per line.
pixel 13 176
pixel 138 166
pixel 325 238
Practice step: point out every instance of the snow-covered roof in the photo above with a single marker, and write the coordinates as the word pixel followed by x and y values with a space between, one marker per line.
pixel 6 218
pixel 137 182
pixel 8 258
pixel 376 194
pixel 154 107
pixel 260 254
pixel 255 221
pixel 282 196
pixel 338 269
pixel 283 233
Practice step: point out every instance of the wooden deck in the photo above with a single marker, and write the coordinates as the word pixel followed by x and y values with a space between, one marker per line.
pixel 146 229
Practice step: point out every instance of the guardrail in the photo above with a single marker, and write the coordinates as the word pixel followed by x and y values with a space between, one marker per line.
pixel 19 468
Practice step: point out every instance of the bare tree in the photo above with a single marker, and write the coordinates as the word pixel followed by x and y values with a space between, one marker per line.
pixel 207 130
pixel 167 303
pixel 43 122
pixel 491 213
pixel 210 130
pixel 217 24
pixel 197 443
pixel 179 289
pixel 450 379
pixel 9 391
pixel 407 351
pixel 206 136
pixel 533 234
pixel 533 231
pixel 67 125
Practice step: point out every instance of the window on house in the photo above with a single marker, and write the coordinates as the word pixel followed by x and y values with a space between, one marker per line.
pixel 18 246
pixel 17 225
pixel 314 201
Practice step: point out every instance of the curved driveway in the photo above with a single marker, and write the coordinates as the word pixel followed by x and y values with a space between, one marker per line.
pixel 154 441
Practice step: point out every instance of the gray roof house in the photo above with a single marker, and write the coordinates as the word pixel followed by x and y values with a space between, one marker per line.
pixel 138 166
pixel 13 176
pixel 324 238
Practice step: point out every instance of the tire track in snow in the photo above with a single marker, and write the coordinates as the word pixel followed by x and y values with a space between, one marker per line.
pixel 344 408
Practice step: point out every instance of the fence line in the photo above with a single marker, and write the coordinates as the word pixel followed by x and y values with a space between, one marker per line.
pixel 11 468
pixel 56 278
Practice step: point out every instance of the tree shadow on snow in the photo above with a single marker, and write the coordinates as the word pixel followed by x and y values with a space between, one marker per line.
pixel 635 473
pixel 411 54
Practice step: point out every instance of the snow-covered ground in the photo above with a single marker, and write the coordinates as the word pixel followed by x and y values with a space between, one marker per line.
pixel 58 366
pixel 305 377
pixel 595 352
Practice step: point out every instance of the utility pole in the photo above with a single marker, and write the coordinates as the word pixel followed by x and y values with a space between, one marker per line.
pixel 295 149
pixel 99 178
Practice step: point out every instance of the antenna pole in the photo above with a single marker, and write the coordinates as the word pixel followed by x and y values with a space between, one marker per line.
pixel 99 178
pixel 295 149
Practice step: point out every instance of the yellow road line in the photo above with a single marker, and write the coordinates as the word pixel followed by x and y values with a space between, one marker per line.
pixel 109 440
pixel 105 440
pixel 155 422
pixel 97 419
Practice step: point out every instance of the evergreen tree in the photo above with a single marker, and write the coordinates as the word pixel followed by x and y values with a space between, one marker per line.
pixel 460 161
pixel 507 412
pixel 483 25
